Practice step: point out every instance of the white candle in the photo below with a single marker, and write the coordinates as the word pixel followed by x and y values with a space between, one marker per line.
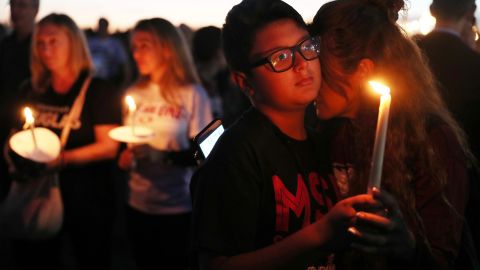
pixel 132 108
pixel 48 148
pixel 30 123
pixel 380 135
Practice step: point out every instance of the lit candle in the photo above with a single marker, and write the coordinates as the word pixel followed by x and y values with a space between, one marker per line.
pixel 380 134
pixel 132 108
pixel 30 123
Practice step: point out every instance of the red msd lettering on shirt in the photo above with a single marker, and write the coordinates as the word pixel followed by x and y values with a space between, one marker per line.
pixel 300 203
pixel 286 201
pixel 168 111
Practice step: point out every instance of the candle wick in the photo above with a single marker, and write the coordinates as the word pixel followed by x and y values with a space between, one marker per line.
pixel 32 129
pixel 133 114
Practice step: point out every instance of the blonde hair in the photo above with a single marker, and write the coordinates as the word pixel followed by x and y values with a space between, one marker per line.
pixel 172 50
pixel 79 57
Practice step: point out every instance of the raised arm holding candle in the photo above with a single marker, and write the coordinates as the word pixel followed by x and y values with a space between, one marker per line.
pixel 421 167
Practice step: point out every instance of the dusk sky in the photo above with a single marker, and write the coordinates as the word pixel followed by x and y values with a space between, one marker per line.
pixel 123 14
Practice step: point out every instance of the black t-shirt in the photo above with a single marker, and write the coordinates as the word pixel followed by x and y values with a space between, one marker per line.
pixel 257 187
pixel 91 182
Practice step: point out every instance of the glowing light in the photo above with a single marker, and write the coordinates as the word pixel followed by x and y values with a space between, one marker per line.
pixel 380 135
pixel 379 88
pixel 422 25
pixel 427 23
pixel 132 107
pixel 30 123
pixel 29 120
pixel 131 103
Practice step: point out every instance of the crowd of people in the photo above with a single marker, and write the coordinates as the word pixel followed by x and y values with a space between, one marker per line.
pixel 287 186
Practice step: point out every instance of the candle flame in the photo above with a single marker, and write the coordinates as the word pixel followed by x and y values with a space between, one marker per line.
pixel 380 88
pixel 29 120
pixel 131 103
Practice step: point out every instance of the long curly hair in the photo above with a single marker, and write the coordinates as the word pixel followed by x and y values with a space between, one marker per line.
pixel 353 30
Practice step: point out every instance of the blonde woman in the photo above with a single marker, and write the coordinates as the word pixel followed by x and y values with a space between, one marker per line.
pixel 171 102
pixel 60 67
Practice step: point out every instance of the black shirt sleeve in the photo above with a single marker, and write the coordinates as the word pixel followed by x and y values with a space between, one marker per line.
pixel 226 197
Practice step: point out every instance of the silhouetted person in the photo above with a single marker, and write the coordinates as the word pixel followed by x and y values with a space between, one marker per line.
pixel 228 101
pixel 109 56
pixel 469 34
pixel 455 65
pixel 187 33
pixel 14 68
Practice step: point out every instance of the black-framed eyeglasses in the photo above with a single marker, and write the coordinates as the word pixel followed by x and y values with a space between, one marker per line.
pixel 283 59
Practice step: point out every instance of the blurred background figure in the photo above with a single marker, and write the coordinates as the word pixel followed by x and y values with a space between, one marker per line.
pixel 109 56
pixel 170 101
pixel 60 67
pixel 227 100
pixel 209 60
pixel 470 35
pixel 455 64
pixel 14 68
pixel 187 33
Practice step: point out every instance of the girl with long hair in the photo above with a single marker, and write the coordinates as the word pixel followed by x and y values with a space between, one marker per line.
pixel 426 153
pixel 173 104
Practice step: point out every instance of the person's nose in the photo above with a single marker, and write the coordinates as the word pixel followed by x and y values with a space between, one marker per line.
pixel 44 49
pixel 299 61
pixel 136 55
pixel 41 48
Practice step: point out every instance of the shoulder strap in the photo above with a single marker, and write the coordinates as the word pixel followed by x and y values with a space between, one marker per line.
pixel 75 111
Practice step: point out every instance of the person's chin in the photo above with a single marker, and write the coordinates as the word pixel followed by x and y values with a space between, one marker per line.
pixel 310 95
pixel 143 72
pixel 51 66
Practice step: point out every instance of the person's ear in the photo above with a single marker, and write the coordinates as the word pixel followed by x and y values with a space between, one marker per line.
pixel 365 68
pixel 241 81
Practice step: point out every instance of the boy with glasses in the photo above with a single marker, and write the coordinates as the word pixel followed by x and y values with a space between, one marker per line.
pixel 264 198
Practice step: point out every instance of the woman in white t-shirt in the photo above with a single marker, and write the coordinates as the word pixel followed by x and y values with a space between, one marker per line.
pixel 172 103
